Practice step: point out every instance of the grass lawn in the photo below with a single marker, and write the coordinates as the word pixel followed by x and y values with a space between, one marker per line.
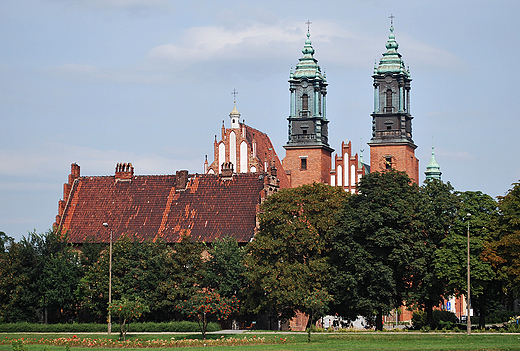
pixel 320 342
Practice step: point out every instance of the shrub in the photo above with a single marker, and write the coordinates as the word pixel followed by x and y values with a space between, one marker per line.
pixel 168 327
pixel 440 320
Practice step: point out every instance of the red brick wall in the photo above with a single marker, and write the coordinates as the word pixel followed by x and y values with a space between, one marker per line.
pixel 318 166
pixel 403 159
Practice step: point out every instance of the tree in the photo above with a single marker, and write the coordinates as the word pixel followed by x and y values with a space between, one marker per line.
pixel 206 306
pixel 504 251
pixel 127 310
pixel 437 213
pixel 288 259
pixel 451 258
pixel 138 269
pixel 39 275
pixel 377 246
pixel 316 305
pixel 225 267
pixel 184 267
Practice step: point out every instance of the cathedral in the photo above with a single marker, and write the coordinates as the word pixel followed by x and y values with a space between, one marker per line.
pixel 225 199
pixel 246 168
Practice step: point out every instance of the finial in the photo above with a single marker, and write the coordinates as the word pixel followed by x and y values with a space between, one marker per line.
pixel 391 22
pixel 308 23
pixel 234 93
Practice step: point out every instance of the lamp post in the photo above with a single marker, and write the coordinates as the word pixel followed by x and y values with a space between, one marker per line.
pixel 109 282
pixel 468 304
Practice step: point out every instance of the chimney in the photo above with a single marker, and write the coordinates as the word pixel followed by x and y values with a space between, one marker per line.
pixel 124 171
pixel 227 170
pixel 181 180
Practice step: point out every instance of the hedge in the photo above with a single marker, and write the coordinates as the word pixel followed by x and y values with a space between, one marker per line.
pixel 168 327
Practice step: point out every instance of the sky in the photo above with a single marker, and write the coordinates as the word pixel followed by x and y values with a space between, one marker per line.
pixel 149 82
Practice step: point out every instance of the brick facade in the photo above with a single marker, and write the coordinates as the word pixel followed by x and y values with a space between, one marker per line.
pixel 400 157
pixel 317 165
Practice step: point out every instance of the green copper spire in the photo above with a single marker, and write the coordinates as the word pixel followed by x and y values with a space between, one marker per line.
pixel 308 65
pixel 391 61
pixel 433 170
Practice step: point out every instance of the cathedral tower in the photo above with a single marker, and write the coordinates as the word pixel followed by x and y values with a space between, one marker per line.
pixel 308 154
pixel 391 146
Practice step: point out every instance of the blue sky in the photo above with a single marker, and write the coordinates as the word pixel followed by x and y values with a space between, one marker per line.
pixel 149 82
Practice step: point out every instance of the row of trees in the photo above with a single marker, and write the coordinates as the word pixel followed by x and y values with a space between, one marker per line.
pixel 317 249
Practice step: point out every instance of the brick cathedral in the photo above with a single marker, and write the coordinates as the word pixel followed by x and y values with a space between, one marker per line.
pixel 246 167
pixel 225 198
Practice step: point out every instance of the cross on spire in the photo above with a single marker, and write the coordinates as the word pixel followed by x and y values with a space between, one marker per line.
pixel 391 19
pixel 308 23
pixel 234 93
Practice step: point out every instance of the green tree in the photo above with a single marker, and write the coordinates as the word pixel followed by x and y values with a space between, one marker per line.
pixel 451 258
pixel 137 272
pixel 437 214
pixel 206 306
pixel 184 266
pixel 316 305
pixel 127 310
pixel 38 276
pixel 225 268
pixel 378 246
pixel 504 251
pixel 288 259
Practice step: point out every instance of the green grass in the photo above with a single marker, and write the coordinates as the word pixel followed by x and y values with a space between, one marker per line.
pixel 323 342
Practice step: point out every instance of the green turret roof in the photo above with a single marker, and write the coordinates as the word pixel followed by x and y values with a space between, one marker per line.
pixel 391 62
pixel 433 170
pixel 308 65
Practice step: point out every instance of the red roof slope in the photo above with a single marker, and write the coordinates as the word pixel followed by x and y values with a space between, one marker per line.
pixel 266 148
pixel 151 207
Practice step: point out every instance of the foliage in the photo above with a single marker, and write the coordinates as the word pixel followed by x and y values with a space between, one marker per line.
pixel 38 278
pixel 316 305
pixel 288 259
pixel 206 306
pixel 138 268
pixel 441 320
pixel 451 258
pixel 438 208
pixel 504 251
pixel 164 327
pixel 377 246
pixel 127 310
pixel 225 269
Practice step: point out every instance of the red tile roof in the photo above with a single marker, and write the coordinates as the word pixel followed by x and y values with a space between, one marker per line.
pixel 265 148
pixel 153 207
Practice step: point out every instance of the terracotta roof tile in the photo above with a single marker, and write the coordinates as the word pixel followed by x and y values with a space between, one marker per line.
pixel 151 207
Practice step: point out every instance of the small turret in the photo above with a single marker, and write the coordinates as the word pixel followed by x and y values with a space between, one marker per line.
pixel 433 170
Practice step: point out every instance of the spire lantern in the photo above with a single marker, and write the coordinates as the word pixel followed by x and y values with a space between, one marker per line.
pixel 433 170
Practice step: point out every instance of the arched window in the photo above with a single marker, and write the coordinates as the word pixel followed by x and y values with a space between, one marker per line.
pixel 389 98
pixel 305 102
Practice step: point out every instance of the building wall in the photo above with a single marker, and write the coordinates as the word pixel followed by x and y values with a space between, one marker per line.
pixel 318 166
pixel 403 159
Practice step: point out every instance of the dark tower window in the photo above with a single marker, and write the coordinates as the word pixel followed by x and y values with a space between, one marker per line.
pixel 305 102
pixel 304 164
pixel 389 100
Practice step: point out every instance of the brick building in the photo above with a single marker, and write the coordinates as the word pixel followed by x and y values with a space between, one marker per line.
pixel 163 207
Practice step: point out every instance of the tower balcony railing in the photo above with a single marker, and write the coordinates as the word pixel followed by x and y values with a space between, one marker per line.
pixel 305 113
pixel 308 138
pixel 391 133
pixel 303 137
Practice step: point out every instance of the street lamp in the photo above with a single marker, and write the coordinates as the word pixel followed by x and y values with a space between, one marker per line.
pixel 468 305
pixel 109 282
